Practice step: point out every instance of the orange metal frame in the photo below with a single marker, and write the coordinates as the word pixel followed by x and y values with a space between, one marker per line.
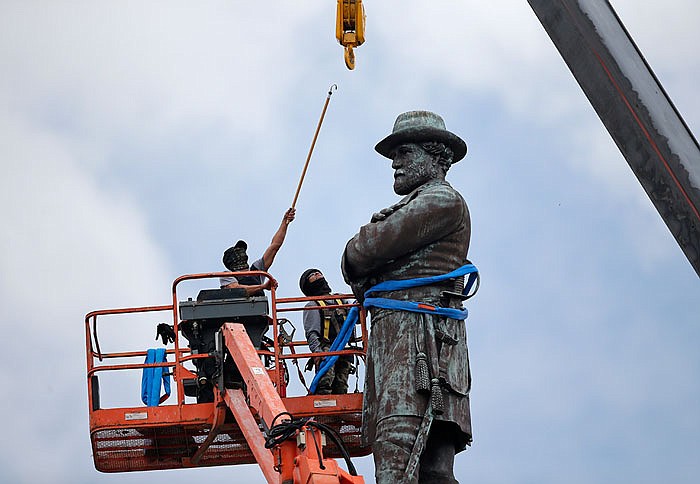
pixel 227 431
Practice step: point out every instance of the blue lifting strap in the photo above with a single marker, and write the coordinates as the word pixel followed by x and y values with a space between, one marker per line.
pixel 338 344
pixel 346 331
pixel 152 377
pixel 416 307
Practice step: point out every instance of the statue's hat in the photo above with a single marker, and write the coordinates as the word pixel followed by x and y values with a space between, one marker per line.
pixel 419 126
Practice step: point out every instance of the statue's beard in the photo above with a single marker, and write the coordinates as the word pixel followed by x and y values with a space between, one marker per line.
pixel 408 179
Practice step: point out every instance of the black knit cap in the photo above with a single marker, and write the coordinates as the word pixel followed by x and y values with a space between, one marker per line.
pixel 303 282
pixel 235 258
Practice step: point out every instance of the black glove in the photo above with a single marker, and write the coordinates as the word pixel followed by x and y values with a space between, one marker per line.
pixel 166 332
pixel 267 342
pixel 314 362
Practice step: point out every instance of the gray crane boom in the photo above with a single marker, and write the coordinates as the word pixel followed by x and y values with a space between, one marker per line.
pixel 635 109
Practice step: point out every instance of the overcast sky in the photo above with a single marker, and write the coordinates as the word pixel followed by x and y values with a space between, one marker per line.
pixel 139 139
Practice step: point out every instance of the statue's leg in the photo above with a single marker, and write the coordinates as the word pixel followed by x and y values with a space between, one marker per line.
pixel 392 448
pixel 437 460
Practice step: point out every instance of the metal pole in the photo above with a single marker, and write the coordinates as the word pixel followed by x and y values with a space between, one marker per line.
pixel 313 143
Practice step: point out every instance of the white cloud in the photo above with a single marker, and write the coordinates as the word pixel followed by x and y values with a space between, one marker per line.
pixel 112 69
pixel 137 139
pixel 67 246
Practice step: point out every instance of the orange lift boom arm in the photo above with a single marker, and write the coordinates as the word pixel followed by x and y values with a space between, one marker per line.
pixel 292 461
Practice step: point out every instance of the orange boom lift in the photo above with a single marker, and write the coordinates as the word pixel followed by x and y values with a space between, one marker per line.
pixel 294 439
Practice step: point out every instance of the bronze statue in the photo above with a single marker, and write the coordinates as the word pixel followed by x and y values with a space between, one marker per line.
pixel 416 407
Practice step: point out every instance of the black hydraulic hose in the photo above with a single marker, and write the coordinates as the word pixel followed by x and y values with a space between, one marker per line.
pixel 333 434
pixel 318 450
pixel 285 430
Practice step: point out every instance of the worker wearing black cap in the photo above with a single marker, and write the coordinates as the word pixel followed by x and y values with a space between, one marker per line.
pixel 235 259
pixel 321 328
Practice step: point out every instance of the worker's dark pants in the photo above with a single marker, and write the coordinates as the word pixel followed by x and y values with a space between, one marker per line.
pixel 335 380
pixel 392 448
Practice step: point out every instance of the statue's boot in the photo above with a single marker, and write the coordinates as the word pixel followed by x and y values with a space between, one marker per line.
pixel 392 449
pixel 438 458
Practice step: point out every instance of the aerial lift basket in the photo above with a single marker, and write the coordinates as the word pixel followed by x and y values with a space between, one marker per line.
pixel 183 433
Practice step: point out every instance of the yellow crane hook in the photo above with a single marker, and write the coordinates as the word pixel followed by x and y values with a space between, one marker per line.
pixel 350 28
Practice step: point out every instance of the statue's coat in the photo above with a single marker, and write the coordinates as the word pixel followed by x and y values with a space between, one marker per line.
pixel 426 234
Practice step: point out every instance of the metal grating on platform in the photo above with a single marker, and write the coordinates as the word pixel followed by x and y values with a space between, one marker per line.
pixel 170 447
pixel 154 448
pixel 349 427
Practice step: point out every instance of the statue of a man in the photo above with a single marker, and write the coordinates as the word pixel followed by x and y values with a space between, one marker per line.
pixel 416 407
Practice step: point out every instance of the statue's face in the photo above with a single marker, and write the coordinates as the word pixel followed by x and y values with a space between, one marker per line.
pixel 413 167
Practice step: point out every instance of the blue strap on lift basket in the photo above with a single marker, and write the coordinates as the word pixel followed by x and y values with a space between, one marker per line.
pixel 152 378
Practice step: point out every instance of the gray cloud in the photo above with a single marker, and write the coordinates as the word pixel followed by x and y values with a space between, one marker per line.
pixel 137 141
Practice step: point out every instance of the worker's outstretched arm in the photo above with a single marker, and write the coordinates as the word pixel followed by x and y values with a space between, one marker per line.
pixel 278 238
pixel 269 283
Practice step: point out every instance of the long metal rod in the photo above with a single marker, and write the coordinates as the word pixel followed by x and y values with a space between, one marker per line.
pixel 313 143
pixel 630 101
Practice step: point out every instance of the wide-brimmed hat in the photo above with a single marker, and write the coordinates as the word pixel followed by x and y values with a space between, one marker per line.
pixel 419 126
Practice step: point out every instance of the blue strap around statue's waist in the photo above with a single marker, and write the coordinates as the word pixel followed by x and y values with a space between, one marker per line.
pixel 379 302
pixel 417 307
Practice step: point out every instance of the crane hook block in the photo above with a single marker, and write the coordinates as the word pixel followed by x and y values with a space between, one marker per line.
pixel 350 28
